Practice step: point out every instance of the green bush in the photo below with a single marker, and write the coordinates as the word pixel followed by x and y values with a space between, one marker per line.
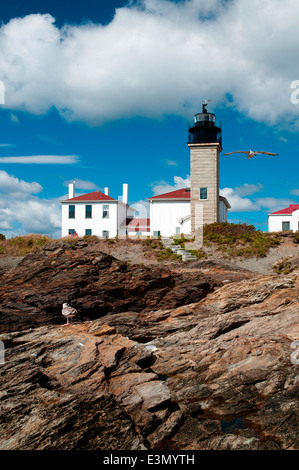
pixel 295 236
pixel 167 254
pixel 153 243
pixel 239 239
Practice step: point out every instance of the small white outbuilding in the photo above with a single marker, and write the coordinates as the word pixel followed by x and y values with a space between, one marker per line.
pixel 284 219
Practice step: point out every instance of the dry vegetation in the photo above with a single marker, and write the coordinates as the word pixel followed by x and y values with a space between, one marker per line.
pixel 226 240
pixel 237 241
pixel 240 240
pixel 161 252
pixel 21 246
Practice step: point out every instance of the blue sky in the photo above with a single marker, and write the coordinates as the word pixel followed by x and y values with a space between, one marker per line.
pixel 102 91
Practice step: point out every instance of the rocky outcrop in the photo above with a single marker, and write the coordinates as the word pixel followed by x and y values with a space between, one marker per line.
pixel 96 284
pixel 215 374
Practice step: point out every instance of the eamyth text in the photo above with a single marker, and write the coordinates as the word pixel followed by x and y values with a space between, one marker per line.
pixel 150 459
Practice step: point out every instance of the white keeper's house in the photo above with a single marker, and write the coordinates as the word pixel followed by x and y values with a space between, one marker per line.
pixel 95 213
pixel 285 219
pixel 182 211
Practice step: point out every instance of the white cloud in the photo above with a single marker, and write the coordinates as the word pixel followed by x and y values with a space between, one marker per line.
pixel 164 187
pixel 238 203
pixel 295 192
pixel 274 204
pixel 22 212
pixel 171 163
pixel 42 159
pixel 37 215
pixel 154 58
pixel 82 184
pixel 10 184
pixel 248 189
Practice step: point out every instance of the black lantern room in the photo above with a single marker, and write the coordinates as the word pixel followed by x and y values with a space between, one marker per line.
pixel 204 128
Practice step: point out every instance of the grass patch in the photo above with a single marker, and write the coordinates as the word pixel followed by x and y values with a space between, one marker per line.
pixel 161 252
pixel 168 254
pixel 295 236
pixel 21 246
pixel 239 240
pixel 286 265
pixel 200 254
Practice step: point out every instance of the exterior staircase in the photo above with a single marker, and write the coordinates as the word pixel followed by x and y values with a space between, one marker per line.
pixel 177 249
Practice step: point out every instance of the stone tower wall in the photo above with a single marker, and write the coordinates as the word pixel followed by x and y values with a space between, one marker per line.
pixel 204 174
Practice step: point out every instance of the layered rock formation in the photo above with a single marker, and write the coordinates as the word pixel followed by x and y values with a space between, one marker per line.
pixel 214 373
pixel 95 283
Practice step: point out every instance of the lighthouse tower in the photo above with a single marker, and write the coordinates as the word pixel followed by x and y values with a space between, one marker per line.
pixel 204 141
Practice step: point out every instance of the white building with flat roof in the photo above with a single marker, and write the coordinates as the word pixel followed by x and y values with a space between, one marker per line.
pixel 284 219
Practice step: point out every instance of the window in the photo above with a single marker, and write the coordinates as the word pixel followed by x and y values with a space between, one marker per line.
pixel 105 211
pixel 203 193
pixel 71 231
pixel 285 226
pixel 71 212
pixel 105 234
pixel 88 232
pixel 88 212
pixel 177 230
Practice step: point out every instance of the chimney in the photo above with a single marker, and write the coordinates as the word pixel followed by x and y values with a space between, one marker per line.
pixel 71 190
pixel 107 191
pixel 125 193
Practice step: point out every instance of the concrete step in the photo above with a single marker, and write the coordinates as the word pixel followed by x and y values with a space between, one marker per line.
pixel 177 249
pixel 189 257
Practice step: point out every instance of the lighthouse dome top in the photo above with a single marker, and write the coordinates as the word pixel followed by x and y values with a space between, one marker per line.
pixel 207 117
pixel 204 115
pixel 204 128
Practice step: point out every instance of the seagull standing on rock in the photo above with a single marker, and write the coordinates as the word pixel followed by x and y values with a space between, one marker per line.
pixel 68 312
pixel 250 153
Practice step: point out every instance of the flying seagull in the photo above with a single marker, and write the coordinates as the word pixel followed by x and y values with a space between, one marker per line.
pixel 250 153
pixel 68 312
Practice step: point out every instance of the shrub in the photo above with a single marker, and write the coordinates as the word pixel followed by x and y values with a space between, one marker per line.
pixel 110 241
pixel 153 243
pixel 239 239
pixel 21 245
pixel 200 254
pixel 295 236
pixel 167 254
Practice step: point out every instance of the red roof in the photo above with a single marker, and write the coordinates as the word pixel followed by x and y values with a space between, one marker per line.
pixel 95 196
pixel 183 193
pixel 138 225
pixel 289 210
